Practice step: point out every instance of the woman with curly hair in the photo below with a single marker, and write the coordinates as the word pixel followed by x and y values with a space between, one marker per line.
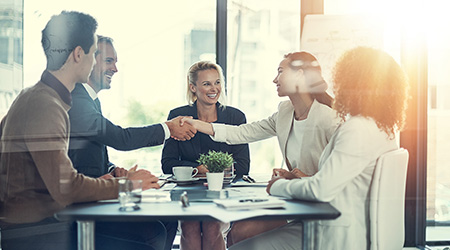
pixel 370 96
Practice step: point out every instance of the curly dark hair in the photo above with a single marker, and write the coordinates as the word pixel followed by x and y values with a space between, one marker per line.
pixel 369 82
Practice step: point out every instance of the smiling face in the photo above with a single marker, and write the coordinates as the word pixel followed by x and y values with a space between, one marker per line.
pixel 207 88
pixel 288 80
pixel 105 67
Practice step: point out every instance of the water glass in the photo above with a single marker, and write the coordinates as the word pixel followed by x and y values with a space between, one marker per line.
pixel 130 194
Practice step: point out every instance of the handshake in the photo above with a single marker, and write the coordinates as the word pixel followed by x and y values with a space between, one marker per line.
pixel 181 130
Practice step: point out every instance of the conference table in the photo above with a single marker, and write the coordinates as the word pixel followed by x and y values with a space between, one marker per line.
pixel 165 205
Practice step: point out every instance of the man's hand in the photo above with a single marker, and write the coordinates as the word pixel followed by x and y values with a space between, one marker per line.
pixel 178 132
pixel 119 172
pixel 148 180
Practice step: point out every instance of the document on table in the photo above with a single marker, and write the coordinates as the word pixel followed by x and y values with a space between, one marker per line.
pixel 156 195
pixel 250 203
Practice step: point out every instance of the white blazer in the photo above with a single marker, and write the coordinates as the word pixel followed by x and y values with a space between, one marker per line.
pixel 345 172
pixel 320 125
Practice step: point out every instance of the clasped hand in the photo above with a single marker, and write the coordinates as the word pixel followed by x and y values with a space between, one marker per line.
pixel 180 131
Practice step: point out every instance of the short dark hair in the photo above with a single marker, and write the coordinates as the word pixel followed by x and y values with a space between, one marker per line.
pixel 63 33
pixel 104 39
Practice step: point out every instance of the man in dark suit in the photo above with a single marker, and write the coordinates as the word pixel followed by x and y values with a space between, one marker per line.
pixel 91 132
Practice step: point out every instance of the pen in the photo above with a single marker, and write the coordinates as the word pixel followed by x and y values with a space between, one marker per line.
pixel 251 179
pixel 253 200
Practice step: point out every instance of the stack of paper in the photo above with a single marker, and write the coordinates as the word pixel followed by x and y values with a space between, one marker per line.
pixel 250 203
pixel 155 195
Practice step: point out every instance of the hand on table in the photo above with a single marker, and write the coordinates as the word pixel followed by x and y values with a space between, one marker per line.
pixel 119 172
pixel 202 169
pixel 283 173
pixel 180 132
pixel 271 182
pixel 293 174
pixel 148 180
pixel 298 173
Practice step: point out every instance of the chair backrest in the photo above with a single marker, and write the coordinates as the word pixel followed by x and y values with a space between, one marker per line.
pixel 387 201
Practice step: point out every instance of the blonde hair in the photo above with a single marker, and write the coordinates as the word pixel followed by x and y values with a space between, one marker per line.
pixel 368 82
pixel 192 77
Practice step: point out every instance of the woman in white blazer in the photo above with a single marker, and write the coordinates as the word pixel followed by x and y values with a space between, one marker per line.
pixel 370 95
pixel 303 125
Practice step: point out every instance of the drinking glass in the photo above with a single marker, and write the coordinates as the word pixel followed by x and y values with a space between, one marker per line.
pixel 130 193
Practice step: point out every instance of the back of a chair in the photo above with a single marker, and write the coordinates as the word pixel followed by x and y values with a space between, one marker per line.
pixel 387 201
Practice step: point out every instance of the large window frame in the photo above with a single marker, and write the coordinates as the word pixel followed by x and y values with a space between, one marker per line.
pixel 414 137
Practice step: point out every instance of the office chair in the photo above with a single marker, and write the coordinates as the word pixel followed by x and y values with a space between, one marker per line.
pixel 387 201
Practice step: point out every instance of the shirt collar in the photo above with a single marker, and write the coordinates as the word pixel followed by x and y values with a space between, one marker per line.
pixel 90 91
pixel 51 81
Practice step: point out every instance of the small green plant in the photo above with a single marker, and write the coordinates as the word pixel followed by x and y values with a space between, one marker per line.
pixel 216 162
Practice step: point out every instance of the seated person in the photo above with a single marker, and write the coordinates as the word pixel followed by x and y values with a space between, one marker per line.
pixel 91 132
pixel 303 125
pixel 370 95
pixel 37 178
pixel 204 89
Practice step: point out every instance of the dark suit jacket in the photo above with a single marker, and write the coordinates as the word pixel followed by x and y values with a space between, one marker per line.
pixel 186 153
pixel 91 133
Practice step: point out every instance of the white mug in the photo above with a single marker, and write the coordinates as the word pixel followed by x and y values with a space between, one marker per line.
pixel 184 173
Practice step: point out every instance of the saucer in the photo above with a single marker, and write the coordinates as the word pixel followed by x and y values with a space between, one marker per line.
pixel 184 180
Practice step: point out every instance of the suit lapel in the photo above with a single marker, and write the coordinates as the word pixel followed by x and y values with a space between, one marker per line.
pixel 284 125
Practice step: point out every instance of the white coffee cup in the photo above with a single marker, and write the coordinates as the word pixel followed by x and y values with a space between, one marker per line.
pixel 184 173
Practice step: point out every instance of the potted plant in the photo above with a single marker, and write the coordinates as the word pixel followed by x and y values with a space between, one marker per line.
pixel 216 163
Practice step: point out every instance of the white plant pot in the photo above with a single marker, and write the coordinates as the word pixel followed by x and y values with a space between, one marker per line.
pixel 215 181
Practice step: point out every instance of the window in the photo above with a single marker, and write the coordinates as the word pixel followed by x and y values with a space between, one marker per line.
pixel 434 20
pixel 438 158
pixel 260 32
pixel 156 42
pixel 10 52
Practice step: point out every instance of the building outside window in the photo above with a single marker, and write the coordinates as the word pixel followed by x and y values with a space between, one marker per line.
pixel 156 44
pixel 11 67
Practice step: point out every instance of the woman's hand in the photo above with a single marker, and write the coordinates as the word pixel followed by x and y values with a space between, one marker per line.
pixel 204 127
pixel 202 169
pixel 298 173
pixel 271 182
pixel 279 172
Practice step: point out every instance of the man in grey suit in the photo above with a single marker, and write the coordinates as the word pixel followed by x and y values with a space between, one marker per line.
pixel 91 132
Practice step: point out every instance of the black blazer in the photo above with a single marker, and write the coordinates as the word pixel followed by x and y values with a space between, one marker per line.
pixel 186 153
pixel 90 133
